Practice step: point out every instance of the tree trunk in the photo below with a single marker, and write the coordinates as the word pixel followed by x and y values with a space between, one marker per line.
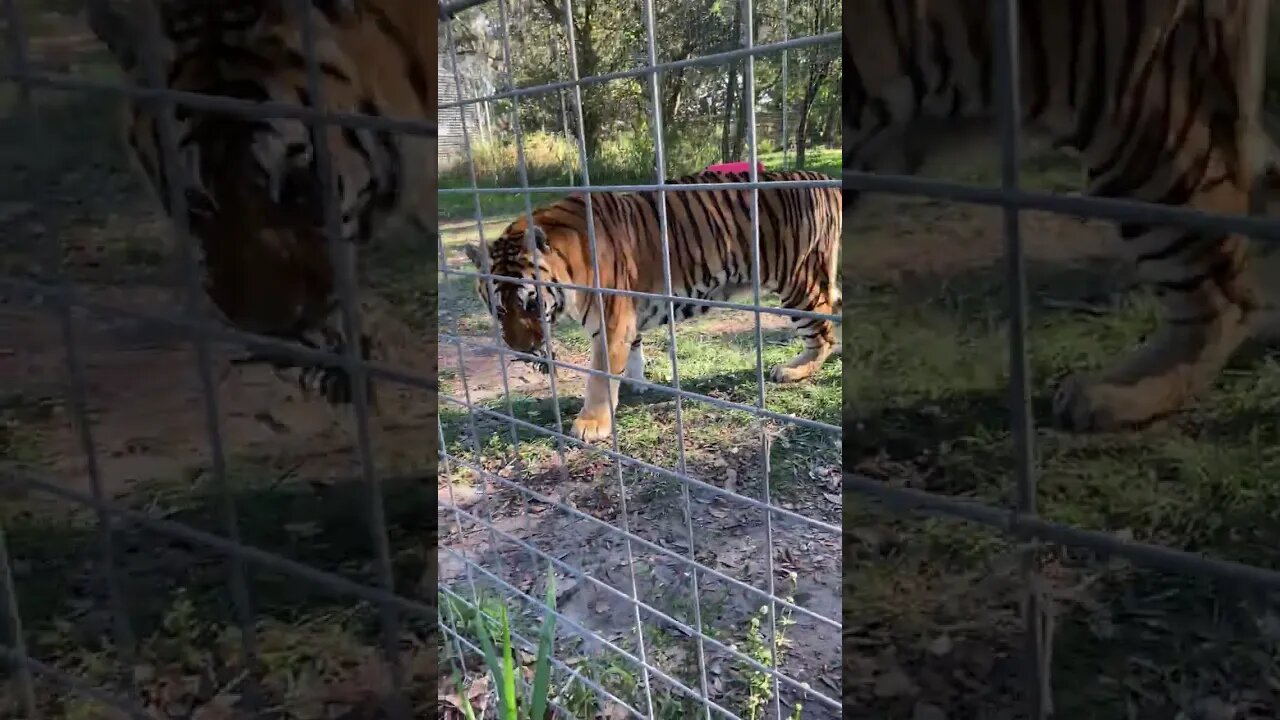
pixel 731 92
pixel 588 65
pixel 831 124
pixel 730 100
pixel 740 127
pixel 740 132
pixel 816 77
pixel 802 130
pixel 674 83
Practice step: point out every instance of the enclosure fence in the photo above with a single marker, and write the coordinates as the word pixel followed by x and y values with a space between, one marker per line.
pixel 1022 521
pixel 655 679
pixel 53 292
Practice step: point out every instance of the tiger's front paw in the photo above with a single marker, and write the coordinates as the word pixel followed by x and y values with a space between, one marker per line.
pixel 591 425
pixel 1085 405
pixel 788 374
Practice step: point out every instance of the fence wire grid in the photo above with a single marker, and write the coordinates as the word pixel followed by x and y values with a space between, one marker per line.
pixel 483 565
pixel 1022 522
pixel 50 290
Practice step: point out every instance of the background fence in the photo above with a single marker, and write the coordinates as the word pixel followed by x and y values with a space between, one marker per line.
pixel 156 560
pixel 1030 534
pixel 682 569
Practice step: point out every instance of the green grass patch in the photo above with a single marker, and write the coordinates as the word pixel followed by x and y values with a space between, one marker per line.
pixel 925 380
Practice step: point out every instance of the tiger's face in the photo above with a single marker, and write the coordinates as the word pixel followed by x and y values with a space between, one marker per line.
pixel 250 189
pixel 255 203
pixel 515 306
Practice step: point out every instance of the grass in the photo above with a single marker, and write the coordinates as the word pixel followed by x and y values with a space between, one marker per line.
pixel 936 602
pixel 316 651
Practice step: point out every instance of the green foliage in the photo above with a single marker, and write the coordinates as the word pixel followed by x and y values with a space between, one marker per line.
pixel 768 654
pixel 702 108
pixel 503 667
pixel 552 159
pixel 548 158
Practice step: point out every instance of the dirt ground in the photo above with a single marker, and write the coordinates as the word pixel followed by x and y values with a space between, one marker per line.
pixel 148 410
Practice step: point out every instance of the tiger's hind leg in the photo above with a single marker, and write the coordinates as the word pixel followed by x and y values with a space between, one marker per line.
pixel 818 336
pixel 1205 284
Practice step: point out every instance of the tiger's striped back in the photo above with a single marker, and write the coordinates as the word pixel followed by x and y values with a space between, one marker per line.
pixel 710 240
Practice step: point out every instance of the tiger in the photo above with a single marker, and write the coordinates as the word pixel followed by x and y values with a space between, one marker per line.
pixel 710 241
pixel 1156 98
pixel 254 198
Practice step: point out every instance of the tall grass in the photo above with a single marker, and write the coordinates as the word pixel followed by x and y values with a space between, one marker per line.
pixel 551 159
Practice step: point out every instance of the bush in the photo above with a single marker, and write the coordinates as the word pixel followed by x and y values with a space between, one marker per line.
pixel 626 156
pixel 548 158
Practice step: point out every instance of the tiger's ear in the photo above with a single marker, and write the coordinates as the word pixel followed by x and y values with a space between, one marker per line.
pixel 540 239
pixel 473 254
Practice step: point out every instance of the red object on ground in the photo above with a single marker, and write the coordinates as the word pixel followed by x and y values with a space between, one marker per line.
pixel 742 167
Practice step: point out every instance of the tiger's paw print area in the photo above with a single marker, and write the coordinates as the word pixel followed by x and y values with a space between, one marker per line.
pixel 931 616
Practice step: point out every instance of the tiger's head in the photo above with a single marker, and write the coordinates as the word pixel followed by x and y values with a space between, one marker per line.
pixel 251 186
pixel 515 306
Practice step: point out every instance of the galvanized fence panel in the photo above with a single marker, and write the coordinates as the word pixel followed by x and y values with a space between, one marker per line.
pixel 58 294
pixel 1022 521
pixel 655 679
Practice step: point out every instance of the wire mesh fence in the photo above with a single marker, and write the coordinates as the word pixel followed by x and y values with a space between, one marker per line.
pixel 1029 534
pixel 175 594
pixel 684 542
